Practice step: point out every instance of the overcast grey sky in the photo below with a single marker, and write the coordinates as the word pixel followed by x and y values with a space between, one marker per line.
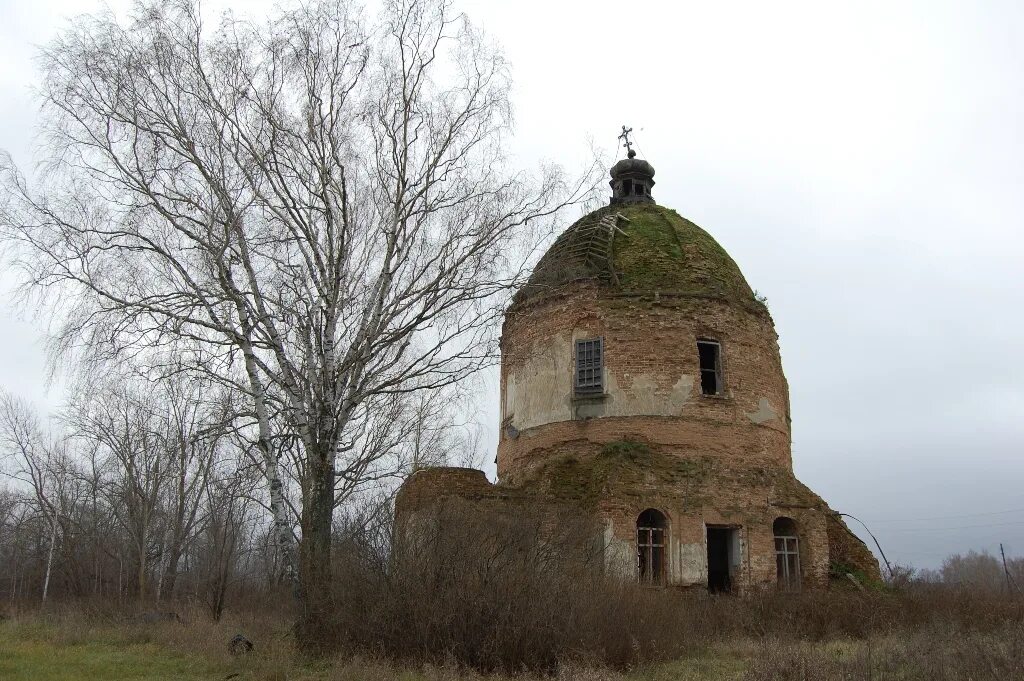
pixel 862 162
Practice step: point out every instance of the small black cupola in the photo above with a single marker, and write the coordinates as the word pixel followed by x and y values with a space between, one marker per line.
pixel 632 178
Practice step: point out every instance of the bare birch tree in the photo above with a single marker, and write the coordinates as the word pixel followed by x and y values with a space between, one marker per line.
pixel 40 465
pixel 322 202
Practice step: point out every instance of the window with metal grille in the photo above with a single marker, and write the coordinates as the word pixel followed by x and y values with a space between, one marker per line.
pixel 787 554
pixel 650 547
pixel 589 366
pixel 710 354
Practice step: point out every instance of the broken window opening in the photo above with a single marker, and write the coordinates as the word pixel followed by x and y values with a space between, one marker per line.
pixel 589 366
pixel 651 541
pixel 710 354
pixel 787 554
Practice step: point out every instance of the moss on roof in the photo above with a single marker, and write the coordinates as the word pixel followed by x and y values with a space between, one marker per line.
pixel 652 249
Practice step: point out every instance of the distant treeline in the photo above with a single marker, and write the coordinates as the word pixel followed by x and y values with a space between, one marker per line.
pixel 140 493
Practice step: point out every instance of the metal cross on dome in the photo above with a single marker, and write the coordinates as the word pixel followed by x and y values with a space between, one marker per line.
pixel 625 140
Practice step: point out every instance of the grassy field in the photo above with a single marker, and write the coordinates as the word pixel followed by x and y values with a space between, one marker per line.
pixel 56 649
pixel 71 646
pixel 41 649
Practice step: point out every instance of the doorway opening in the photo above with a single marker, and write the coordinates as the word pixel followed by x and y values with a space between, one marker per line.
pixel 723 557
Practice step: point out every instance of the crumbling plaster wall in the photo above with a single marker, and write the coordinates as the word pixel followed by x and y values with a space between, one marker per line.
pixel 539 391
pixel 754 565
pixel 651 373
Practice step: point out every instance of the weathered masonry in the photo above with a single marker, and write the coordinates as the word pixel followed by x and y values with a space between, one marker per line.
pixel 641 385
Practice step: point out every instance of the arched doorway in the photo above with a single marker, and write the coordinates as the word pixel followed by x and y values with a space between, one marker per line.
pixel 787 554
pixel 651 545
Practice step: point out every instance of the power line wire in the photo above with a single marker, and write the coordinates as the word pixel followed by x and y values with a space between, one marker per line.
pixel 949 517
pixel 945 529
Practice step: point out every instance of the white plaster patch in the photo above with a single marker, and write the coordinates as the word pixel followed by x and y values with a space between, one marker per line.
pixel 690 567
pixel 764 412
pixel 538 392
pixel 682 391
pixel 644 397
pixel 619 555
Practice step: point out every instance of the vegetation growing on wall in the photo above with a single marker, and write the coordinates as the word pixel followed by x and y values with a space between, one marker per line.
pixel 653 250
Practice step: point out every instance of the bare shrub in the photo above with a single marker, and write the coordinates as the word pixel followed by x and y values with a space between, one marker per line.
pixel 526 589
pixel 501 590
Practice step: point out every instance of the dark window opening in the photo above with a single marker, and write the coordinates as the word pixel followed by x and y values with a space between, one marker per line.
pixel 710 353
pixel 627 187
pixel 651 542
pixel 638 189
pixel 723 555
pixel 589 366
pixel 787 554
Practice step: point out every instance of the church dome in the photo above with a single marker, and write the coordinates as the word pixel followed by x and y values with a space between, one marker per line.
pixel 640 248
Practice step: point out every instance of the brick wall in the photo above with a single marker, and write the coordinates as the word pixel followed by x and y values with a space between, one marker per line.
pixel 650 356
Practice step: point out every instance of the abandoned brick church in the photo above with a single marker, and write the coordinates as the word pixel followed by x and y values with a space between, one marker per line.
pixel 641 385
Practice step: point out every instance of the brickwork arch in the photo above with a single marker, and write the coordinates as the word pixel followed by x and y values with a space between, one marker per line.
pixel 652 546
pixel 789 567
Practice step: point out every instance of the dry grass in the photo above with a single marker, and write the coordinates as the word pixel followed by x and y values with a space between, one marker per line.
pixel 490 598
pixel 934 654
pixel 73 644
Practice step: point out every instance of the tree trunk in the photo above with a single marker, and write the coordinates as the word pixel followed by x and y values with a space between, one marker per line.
pixel 316 595
pixel 144 540
pixel 49 558
pixel 171 571
pixel 278 504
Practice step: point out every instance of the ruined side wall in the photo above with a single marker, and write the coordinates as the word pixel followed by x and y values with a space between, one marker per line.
pixel 606 493
pixel 848 553
pixel 428 486
pixel 652 378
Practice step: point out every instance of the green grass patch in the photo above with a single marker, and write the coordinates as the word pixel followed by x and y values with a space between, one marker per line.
pixel 47 660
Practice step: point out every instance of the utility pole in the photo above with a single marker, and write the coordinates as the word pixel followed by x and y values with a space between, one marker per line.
pixel 1005 571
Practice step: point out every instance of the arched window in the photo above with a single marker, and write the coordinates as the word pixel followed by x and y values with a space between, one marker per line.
pixel 787 554
pixel 651 541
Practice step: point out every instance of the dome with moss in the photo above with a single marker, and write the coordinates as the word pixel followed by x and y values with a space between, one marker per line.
pixel 640 248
